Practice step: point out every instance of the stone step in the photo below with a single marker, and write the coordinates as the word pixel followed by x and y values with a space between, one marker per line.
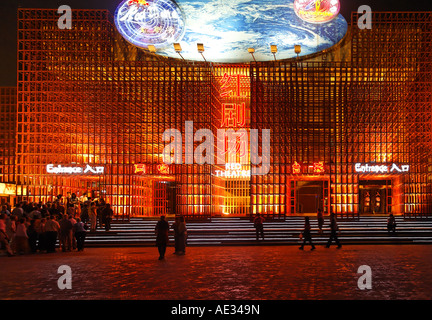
pixel 240 231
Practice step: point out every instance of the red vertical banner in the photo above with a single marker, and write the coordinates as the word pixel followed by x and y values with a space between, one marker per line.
pixel 234 96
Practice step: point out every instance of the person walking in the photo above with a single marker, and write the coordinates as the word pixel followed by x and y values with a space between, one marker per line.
pixel 307 234
pixel 391 223
pixel 334 229
pixel 52 228
pixel 320 218
pixel 80 234
pixel 259 226
pixel 161 229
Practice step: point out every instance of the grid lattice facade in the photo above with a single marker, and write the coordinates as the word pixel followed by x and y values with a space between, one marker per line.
pixel 87 98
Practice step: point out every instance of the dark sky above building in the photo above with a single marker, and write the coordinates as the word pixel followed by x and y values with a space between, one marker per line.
pixel 8 21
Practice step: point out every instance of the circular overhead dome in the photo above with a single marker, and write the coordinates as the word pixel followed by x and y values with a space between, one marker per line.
pixel 228 28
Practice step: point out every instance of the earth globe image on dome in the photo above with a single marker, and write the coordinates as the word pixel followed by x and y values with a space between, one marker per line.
pixel 227 28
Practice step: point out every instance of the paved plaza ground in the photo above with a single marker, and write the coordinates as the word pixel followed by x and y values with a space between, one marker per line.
pixel 222 273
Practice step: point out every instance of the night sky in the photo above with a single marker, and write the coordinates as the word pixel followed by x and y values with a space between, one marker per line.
pixel 8 22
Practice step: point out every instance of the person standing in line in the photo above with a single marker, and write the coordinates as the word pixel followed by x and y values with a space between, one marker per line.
pixel 334 229
pixel 4 238
pixel 32 236
pixel 21 238
pixel 93 217
pixel 107 214
pixel 80 234
pixel 72 234
pixel 320 218
pixel 5 211
pixel 259 226
pixel 65 233
pixel 307 234
pixel 41 235
pixel 18 210
pixel 52 228
pixel 175 227
pixel 182 234
pixel 161 229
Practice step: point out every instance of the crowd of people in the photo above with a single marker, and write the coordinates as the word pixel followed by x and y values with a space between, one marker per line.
pixel 35 227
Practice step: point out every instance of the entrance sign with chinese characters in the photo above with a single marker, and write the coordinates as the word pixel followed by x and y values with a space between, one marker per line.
pixel 87 169
pixel 233 95
pixel 381 168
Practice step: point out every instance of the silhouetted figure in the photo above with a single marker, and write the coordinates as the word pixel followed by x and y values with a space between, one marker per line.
pixel 320 218
pixel 259 226
pixel 391 223
pixel 80 234
pixel 182 234
pixel 333 232
pixel 161 229
pixel 307 235
pixel 107 214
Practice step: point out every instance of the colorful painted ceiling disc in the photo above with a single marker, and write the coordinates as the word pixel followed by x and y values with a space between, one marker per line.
pixel 150 22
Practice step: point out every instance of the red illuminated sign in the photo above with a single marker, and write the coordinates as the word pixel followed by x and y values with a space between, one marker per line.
pixel 227 86
pixel 233 115
pixel 240 145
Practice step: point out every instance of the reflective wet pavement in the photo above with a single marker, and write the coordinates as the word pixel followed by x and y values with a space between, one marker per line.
pixel 222 273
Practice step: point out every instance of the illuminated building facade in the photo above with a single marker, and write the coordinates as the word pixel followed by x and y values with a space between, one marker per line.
pixel 8 104
pixel 350 126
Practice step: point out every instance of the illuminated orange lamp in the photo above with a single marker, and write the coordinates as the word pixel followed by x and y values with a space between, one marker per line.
pixel 139 168
pixel 163 168
pixel 296 168
pixel 318 167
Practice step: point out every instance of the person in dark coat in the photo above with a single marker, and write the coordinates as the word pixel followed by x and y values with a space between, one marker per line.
pixel 32 236
pixel 307 235
pixel 391 223
pixel 175 226
pixel 182 236
pixel 333 232
pixel 259 226
pixel 107 214
pixel 161 229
